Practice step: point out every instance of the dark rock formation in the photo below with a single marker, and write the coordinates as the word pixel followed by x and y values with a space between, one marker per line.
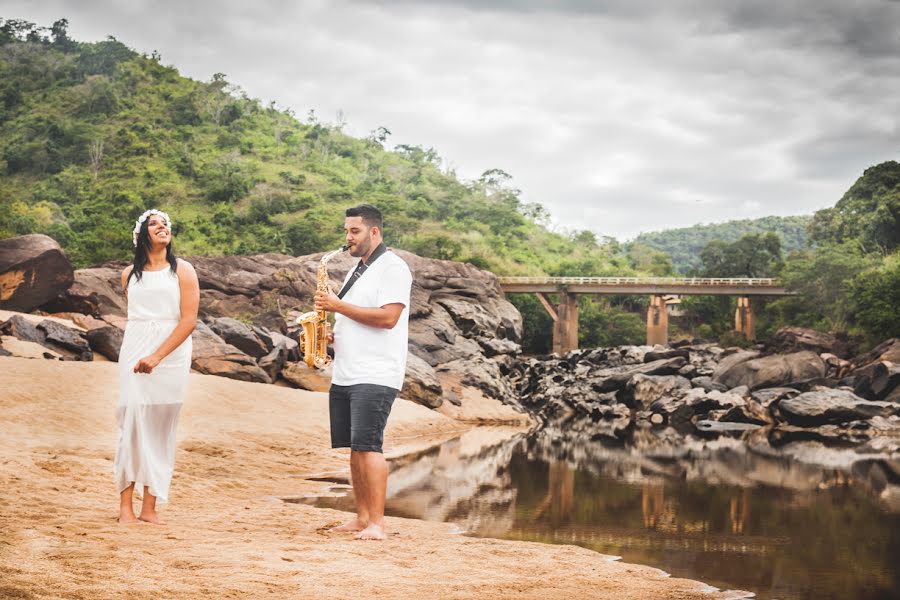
pixel 106 341
pixel 33 269
pixel 826 406
pixel 771 371
pixel 795 339
pixel 213 356
pixel 241 336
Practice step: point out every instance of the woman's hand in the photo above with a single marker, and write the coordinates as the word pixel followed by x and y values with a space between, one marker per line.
pixel 146 364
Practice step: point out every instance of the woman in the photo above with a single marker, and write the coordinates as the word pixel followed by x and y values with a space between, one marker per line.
pixel 154 362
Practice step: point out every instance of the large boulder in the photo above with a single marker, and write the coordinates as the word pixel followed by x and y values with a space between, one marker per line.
pixel 33 269
pixel 106 341
pixel 772 371
pixel 213 356
pixel 96 291
pixel 877 380
pixel 642 390
pixel 241 336
pixel 300 375
pixel 795 339
pixel 67 342
pixel 421 384
pixel 824 406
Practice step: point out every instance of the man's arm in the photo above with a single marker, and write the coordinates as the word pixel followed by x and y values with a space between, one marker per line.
pixel 383 317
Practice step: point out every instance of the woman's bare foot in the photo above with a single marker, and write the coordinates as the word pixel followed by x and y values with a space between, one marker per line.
pixel 354 525
pixel 151 518
pixel 372 532
pixel 127 519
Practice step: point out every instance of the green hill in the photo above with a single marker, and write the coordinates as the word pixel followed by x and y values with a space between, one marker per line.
pixel 93 134
pixel 685 244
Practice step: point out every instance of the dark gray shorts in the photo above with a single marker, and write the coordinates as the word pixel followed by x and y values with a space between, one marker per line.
pixel 358 415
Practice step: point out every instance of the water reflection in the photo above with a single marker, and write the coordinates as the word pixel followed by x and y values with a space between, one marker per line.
pixel 735 513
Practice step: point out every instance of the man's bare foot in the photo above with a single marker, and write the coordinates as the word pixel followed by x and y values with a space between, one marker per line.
pixel 151 518
pixel 372 532
pixel 349 526
pixel 128 519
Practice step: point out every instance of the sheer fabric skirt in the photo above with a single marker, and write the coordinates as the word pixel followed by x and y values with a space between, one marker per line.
pixel 148 409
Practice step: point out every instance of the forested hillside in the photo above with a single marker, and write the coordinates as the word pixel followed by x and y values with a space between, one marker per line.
pixel 685 244
pixel 92 134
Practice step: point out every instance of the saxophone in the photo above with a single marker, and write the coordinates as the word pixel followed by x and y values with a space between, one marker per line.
pixel 314 326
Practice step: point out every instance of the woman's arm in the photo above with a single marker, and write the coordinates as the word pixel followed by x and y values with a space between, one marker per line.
pixel 190 302
pixel 126 273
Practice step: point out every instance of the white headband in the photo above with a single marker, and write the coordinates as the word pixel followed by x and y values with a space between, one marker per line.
pixel 144 217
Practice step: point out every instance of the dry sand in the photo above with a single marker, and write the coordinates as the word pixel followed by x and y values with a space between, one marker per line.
pixel 228 535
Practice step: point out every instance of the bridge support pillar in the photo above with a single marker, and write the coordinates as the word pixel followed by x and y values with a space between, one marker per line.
pixel 565 329
pixel 744 321
pixel 657 322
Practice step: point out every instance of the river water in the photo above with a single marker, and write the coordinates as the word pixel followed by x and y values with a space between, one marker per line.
pixel 733 515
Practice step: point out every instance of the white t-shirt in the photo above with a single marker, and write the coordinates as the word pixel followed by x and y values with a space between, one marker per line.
pixel 364 354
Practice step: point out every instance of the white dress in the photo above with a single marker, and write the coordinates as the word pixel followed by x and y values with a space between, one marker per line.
pixel 149 404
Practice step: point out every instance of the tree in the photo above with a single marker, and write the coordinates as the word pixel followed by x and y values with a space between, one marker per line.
pixel 822 279
pixel 754 255
pixel 875 294
pixel 869 213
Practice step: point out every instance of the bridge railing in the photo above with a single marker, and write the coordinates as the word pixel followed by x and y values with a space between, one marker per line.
pixel 697 281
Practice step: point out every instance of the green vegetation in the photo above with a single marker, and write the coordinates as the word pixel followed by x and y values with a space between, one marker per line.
pixel 685 244
pixel 91 135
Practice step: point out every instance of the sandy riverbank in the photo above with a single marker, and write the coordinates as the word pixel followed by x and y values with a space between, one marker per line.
pixel 241 446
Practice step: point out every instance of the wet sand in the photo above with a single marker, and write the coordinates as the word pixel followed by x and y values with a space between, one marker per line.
pixel 241 447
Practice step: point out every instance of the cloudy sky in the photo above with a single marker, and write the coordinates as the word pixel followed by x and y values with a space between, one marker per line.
pixel 618 116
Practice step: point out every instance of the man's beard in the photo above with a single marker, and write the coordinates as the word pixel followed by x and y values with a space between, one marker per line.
pixel 361 248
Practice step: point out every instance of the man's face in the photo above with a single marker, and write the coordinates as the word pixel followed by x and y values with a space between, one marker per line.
pixel 358 236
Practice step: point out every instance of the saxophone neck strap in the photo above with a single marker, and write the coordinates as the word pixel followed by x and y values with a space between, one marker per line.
pixel 361 268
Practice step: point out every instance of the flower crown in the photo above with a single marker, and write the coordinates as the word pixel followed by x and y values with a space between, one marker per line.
pixel 144 217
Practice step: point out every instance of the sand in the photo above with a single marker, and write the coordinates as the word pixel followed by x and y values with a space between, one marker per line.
pixel 241 447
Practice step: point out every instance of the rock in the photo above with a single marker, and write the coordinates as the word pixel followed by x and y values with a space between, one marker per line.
pixel 33 269
pixel 240 336
pixel 789 340
pixel 106 341
pixel 828 406
pixel 751 412
pixel 889 350
pixel 213 356
pixel 307 378
pixel 290 346
pixel 96 291
pixel 494 346
pixel 22 329
pixel 642 390
pixel 663 354
pixel 273 362
pixel 732 360
pixel 706 383
pixel 668 366
pixel 271 320
pixel 772 371
pixel 876 380
pixel 770 395
pixel 723 427
pixel 421 384
pixel 65 340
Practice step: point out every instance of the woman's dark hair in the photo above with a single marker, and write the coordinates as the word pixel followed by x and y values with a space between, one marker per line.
pixel 142 250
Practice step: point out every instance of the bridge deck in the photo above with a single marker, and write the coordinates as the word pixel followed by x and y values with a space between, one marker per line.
pixel 682 286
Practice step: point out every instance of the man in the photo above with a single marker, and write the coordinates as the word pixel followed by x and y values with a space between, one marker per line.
pixel 370 339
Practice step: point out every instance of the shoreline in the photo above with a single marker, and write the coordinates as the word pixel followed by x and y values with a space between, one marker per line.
pixel 241 448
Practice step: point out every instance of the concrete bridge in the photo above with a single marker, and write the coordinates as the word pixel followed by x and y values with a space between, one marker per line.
pixel 663 290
